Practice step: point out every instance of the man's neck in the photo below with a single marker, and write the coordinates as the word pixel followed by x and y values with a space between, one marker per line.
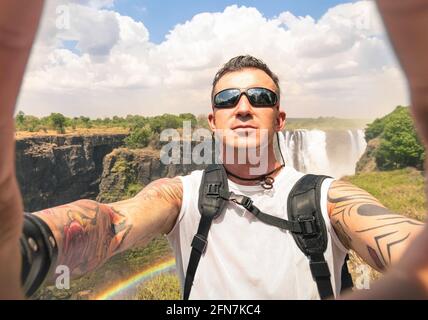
pixel 249 170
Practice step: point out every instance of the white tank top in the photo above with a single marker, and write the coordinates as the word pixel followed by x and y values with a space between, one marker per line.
pixel 245 258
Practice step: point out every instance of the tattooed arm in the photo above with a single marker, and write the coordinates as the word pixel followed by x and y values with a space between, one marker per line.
pixel 364 225
pixel 88 233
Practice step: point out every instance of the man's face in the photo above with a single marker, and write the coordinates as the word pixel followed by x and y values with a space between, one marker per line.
pixel 246 126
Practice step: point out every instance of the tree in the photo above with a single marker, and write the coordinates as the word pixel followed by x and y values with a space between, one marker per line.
pixel 399 144
pixel 86 122
pixel 57 121
pixel 20 119
pixel 139 137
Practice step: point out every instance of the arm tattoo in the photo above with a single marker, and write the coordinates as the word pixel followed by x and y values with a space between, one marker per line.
pixel 170 190
pixel 168 194
pixel 87 232
pixel 363 224
pixel 375 258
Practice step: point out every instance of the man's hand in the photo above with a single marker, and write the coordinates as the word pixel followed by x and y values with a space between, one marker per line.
pixel 18 25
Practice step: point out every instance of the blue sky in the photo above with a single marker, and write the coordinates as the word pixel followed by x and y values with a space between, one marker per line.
pixel 160 16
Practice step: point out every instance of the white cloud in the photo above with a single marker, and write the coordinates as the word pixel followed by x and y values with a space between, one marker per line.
pixel 338 65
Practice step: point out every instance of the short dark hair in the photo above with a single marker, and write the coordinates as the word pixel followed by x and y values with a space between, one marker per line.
pixel 242 62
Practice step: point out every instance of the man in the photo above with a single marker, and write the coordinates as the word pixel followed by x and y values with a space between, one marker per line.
pixel 86 233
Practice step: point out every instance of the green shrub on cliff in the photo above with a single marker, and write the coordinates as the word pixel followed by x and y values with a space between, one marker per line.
pixel 399 145
pixel 139 137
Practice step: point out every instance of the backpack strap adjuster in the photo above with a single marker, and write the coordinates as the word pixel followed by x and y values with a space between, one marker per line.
pixel 308 225
pixel 199 243
pixel 213 189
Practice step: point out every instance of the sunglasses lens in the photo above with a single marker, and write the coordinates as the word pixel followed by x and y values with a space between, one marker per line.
pixel 226 98
pixel 262 97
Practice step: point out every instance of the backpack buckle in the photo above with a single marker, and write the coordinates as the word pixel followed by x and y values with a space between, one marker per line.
pixel 244 201
pixel 308 225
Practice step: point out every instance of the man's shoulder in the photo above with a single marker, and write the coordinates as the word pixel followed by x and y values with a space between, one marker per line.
pixel 192 175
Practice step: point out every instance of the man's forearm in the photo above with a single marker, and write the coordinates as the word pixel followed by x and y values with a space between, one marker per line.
pixel 87 233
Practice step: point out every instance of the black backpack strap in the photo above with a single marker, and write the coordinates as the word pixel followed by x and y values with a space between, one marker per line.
pixel 292 226
pixel 212 193
pixel 304 206
pixel 346 277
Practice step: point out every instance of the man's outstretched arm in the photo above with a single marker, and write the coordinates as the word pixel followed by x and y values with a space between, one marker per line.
pixel 364 225
pixel 88 233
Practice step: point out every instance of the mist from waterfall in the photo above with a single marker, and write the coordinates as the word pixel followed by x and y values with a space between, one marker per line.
pixel 333 153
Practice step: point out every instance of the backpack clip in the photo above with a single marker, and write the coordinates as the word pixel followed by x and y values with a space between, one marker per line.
pixel 242 200
pixel 308 225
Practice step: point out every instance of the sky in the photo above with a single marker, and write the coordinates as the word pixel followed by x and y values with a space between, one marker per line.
pixel 161 16
pixel 102 58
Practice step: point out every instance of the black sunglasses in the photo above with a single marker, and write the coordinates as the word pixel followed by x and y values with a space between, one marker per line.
pixel 258 97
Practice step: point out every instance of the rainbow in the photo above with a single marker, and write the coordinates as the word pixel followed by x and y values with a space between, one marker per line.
pixel 159 267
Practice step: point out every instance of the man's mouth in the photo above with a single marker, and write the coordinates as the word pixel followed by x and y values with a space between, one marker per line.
pixel 243 127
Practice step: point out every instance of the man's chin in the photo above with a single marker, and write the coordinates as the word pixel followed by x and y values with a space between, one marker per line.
pixel 243 143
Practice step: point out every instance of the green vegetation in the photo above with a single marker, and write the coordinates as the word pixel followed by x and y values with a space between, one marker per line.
pixel 139 137
pixel 147 130
pixel 399 145
pixel 163 287
pixel 57 121
pixel 401 191
pixel 143 131
pixel 133 189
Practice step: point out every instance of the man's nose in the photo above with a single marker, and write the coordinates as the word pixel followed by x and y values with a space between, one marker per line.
pixel 243 106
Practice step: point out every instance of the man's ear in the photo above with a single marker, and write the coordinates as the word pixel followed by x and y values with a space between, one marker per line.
pixel 280 120
pixel 211 121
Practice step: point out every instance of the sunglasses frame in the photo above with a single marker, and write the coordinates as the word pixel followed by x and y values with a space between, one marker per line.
pixel 245 91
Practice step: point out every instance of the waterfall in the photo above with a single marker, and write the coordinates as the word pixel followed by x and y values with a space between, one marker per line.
pixel 333 153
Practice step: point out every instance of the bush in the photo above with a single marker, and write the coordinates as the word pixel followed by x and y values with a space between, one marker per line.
pixel 139 137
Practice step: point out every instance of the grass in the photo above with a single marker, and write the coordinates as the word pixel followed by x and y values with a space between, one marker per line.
pixel 163 287
pixel 401 191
